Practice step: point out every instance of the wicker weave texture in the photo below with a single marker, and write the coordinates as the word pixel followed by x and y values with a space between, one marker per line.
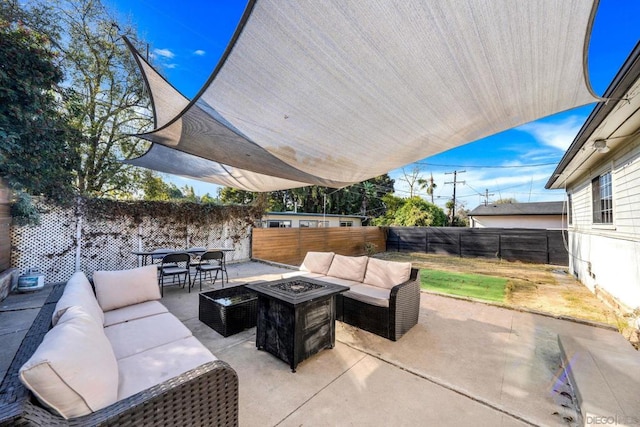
pixel 228 320
pixel 205 396
pixel 389 322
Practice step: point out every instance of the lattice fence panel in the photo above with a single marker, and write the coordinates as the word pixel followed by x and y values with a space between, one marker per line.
pixel 234 234
pixel 50 246
pixel 107 245
pixel 162 233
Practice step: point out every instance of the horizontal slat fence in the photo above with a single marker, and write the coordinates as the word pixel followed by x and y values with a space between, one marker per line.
pixel 528 245
pixel 290 245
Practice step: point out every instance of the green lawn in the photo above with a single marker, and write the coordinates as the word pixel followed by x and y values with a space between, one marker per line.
pixel 478 286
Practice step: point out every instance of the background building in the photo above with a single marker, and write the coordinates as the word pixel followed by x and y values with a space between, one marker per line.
pixel 296 219
pixel 544 215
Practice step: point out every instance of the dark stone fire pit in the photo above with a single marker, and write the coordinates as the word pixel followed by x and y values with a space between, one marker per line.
pixel 296 318
pixel 297 286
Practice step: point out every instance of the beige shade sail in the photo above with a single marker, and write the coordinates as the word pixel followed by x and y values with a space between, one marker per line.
pixel 335 92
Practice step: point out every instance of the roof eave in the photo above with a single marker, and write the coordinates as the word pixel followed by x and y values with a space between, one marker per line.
pixel 620 85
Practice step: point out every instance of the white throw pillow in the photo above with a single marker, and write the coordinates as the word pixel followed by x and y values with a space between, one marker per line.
pixel 121 288
pixel 78 291
pixel 317 262
pixel 387 274
pixel 348 267
pixel 73 371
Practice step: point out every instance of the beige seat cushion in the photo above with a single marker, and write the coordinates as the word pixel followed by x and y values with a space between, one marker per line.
pixel 338 281
pixel 302 274
pixel 74 370
pixel 370 294
pixel 139 335
pixel 120 288
pixel 133 312
pixel 386 274
pixel 144 370
pixel 78 291
pixel 348 267
pixel 317 262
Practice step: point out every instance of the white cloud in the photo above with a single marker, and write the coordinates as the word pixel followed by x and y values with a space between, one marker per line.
pixel 171 66
pixel 557 134
pixel 199 52
pixel 165 53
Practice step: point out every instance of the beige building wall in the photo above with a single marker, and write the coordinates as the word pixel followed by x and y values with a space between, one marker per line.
pixel 296 220
pixel 546 222
pixel 607 256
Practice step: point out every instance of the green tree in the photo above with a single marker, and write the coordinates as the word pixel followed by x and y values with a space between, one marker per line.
pixel 230 195
pixel 103 96
pixel 189 194
pixel 505 201
pixel 208 198
pixel 155 188
pixel 427 184
pixel 34 153
pixel 311 199
pixel 391 205
pixel 417 212
pixel 460 219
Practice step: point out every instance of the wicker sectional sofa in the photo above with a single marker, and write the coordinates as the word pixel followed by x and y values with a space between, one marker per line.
pixel 383 296
pixel 116 357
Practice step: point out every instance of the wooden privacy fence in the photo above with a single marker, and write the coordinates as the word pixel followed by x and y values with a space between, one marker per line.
pixel 529 245
pixel 290 245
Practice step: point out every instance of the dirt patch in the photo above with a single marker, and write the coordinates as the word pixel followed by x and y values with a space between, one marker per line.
pixel 540 287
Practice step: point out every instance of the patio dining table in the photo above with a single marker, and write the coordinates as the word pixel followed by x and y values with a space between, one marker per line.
pixel 144 255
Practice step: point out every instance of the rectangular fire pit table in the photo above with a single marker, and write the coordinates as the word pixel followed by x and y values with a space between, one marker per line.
pixel 228 310
pixel 296 317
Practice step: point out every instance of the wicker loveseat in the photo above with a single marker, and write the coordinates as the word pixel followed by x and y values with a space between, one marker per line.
pixel 118 359
pixel 383 296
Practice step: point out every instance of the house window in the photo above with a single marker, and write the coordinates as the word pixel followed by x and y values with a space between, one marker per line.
pixel 569 210
pixel 602 194
pixel 279 224
pixel 346 223
pixel 308 223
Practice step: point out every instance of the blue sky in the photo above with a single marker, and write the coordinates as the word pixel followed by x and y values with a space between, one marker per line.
pixel 187 40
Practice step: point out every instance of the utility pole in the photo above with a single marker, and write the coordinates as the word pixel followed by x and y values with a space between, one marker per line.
pixel 486 196
pixel 454 182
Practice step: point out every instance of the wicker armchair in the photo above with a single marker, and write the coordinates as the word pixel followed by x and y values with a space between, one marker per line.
pixel 205 396
pixel 389 322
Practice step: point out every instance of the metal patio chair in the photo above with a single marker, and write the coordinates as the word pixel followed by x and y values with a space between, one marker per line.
pixel 175 264
pixel 211 261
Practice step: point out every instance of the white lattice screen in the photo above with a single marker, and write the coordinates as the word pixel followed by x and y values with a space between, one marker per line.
pixel 53 245
pixel 50 246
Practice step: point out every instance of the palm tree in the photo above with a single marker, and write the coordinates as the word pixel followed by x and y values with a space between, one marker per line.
pixel 429 185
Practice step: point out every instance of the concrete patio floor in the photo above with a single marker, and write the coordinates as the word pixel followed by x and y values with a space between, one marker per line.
pixel 464 364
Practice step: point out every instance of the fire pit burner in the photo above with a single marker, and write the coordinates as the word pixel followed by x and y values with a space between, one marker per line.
pixel 297 287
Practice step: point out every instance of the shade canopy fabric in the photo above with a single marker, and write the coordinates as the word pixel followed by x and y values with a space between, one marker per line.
pixel 335 92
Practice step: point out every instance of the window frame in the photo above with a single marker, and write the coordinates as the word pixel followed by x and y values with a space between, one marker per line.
pixel 602 199
pixel 278 223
